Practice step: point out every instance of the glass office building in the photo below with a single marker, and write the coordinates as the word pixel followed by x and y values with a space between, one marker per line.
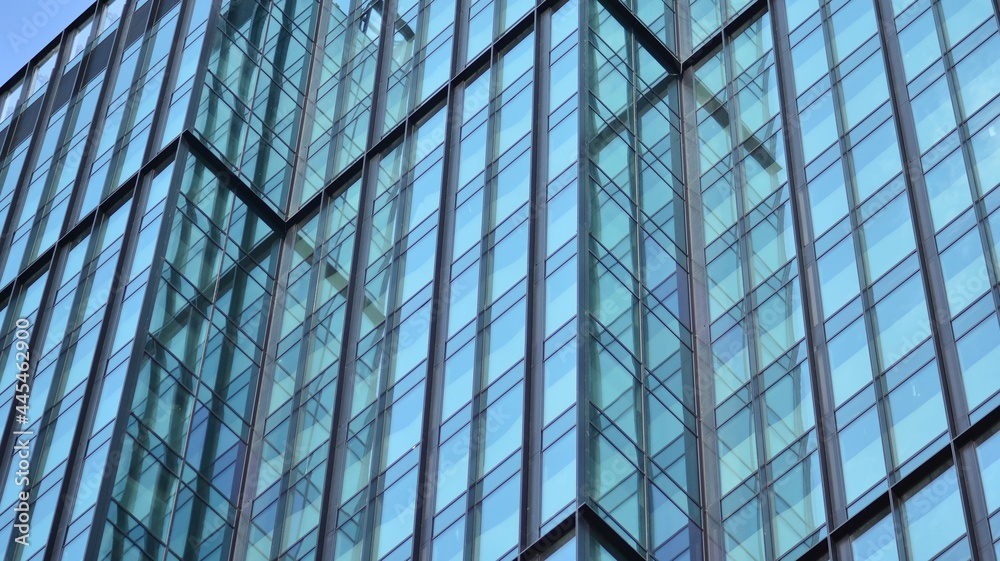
pixel 484 280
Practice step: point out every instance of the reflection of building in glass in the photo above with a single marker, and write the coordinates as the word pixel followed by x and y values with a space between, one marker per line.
pixel 494 279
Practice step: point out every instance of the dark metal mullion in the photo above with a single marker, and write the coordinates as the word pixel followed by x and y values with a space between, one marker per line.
pixel 583 321
pixel 64 148
pixel 820 376
pixel 867 299
pixel 472 498
pixel 58 261
pixel 682 18
pixel 427 480
pixel 345 381
pixel 200 89
pixel 414 74
pixel 273 94
pixel 141 77
pixel 393 316
pixel 433 399
pixel 845 162
pixel 173 463
pixel 713 538
pixel 534 383
pixel 980 533
pixel 380 88
pixel 461 36
pixel 965 140
pixel 639 321
pixel 76 194
pixel 383 350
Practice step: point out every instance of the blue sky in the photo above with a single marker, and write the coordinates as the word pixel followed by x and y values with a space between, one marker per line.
pixel 28 25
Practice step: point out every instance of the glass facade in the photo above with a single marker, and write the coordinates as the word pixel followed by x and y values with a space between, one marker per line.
pixel 483 280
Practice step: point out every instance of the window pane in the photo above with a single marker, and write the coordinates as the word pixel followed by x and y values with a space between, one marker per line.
pixel 566 552
pixel 403 427
pixel 916 414
pixel 509 261
pixel 948 189
pixel 877 542
pixel 828 198
pixel 933 113
pixel 932 517
pixel 780 322
pixel 772 243
pixel 788 411
pixel 852 26
pixel 497 530
pixel 730 362
pixel 819 126
pixel 558 475
pixel 888 238
pixel 42 73
pixel 864 90
pixel 919 44
pixel 850 362
pixel 501 425
pixel 797 504
pixel 799 11
pixel 986 156
pixel 989 464
pixel 876 160
pixel 979 355
pixel 737 450
pixel 978 76
pixel 10 101
pixel 962 16
pixel 506 342
pixel 838 274
pixel 725 281
pixel 965 275
pixel 862 454
pixel 745 534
